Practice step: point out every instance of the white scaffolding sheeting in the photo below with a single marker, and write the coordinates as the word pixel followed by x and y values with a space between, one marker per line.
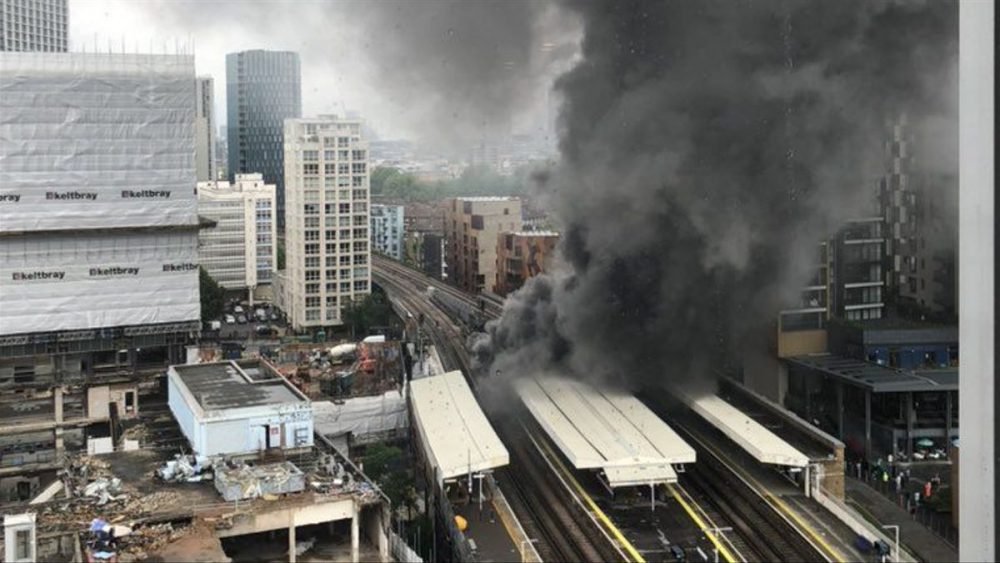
pixel 765 446
pixel 456 435
pixel 361 416
pixel 605 429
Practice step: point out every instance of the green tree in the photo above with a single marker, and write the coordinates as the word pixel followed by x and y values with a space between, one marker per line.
pixel 281 257
pixel 213 296
pixel 373 310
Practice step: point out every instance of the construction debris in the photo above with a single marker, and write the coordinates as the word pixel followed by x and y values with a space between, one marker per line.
pixel 237 481
pixel 186 469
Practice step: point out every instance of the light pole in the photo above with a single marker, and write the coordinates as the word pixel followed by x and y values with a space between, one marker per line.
pixel 895 548
pixel 718 533
pixel 523 543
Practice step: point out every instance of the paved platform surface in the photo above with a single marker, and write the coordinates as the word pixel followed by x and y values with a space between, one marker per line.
pixel 493 543
pixel 914 536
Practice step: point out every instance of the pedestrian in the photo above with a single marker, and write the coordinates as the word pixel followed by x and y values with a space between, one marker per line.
pixel 858 467
pixel 885 476
pixel 899 483
pixel 916 499
pixel 927 489
pixel 936 480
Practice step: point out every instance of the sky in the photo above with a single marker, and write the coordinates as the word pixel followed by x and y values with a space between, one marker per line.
pixel 435 70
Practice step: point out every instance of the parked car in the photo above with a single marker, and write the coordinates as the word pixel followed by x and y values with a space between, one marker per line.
pixel 238 310
pixel 274 316
pixel 230 319
pixel 678 553
pixel 242 319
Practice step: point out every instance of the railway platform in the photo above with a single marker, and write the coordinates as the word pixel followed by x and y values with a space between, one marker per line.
pixel 487 535
pixel 912 535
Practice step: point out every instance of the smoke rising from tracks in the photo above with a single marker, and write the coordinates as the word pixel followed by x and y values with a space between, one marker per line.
pixel 707 147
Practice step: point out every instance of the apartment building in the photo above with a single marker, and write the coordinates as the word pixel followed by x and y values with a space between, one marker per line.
pixel 920 223
pixel 204 129
pixel 472 225
pixel 522 255
pixel 263 88
pixel 387 230
pixel 239 251
pixel 34 25
pixel 327 244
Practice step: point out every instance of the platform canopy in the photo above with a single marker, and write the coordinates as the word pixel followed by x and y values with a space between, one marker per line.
pixel 605 429
pixel 456 435
pixel 765 446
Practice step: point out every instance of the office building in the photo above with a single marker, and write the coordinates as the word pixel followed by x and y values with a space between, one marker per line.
pixel 327 243
pixel 263 88
pixel 33 25
pixel 204 129
pixel 387 230
pixel 239 251
pixel 98 239
pixel 523 255
pixel 472 225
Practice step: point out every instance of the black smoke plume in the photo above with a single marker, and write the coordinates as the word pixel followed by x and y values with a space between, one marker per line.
pixel 707 147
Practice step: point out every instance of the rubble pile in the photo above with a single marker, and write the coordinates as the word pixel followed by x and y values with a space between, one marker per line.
pixel 137 432
pixel 186 469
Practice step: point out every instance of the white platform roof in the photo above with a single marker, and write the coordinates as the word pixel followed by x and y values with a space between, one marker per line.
pixel 456 436
pixel 605 429
pixel 765 446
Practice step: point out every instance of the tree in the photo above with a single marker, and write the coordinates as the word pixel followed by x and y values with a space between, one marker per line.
pixel 372 310
pixel 281 257
pixel 213 296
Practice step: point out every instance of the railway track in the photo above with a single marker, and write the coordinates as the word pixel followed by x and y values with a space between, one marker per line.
pixel 753 520
pixel 545 514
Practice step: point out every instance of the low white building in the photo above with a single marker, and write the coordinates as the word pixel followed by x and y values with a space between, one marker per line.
pixel 240 251
pixel 238 408
pixel 387 230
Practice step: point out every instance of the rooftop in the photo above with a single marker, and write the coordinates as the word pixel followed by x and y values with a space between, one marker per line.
pixel 231 384
pixel 457 437
pixel 605 429
pixel 486 198
pixel 879 379
pixel 535 234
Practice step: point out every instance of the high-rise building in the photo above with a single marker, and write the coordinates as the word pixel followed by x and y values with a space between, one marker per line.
pixel 523 255
pixel 239 251
pixel 263 88
pixel 204 129
pixel 920 216
pixel 471 226
pixel 33 25
pixel 387 230
pixel 327 246
pixel 98 237
pixel 857 280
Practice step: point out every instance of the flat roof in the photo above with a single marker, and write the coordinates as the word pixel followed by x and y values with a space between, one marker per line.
pixel 765 446
pixel 606 429
pixel 230 384
pixel 879 379
pixel 456 435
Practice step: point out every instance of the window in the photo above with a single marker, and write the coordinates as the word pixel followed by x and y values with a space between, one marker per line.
pixel 312 288
pixel 22 546
pixel 329 155
pixel 312 249
pixel 358 154
pixel 312 261
pixel 331 235
pixel 331 300
pixel 312 301
pixel 344 168
pixel 311 223
pixel 312 275
pixel 310 169
pixel 330 168
pixel 312 314
pixel 310 156
pixel 310 209
pixel 344 208
pixel 358 181
pixel 312 235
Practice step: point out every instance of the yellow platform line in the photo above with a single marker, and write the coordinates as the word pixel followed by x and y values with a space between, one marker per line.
pixel 723 550
pixel 622 540
pixel 781 506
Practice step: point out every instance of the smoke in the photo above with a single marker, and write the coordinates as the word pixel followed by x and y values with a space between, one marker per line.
pixel 707 147
pixel 446 73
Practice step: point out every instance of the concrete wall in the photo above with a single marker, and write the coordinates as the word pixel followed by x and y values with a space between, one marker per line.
pixel 282 518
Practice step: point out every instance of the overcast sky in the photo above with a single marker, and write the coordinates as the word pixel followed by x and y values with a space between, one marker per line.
pixel 438 70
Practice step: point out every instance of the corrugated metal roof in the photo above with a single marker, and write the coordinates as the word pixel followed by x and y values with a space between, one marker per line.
pixel 764 445
pixel 880 379
pixel 605 429
pixel 457 436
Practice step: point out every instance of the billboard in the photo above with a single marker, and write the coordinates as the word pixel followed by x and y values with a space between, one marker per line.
pixel 97 280
pixel 96 141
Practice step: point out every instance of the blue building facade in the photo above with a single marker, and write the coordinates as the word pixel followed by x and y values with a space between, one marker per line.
pixel 263 88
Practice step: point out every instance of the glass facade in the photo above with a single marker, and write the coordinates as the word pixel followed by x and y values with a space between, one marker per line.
pixel 33 25
pixel 263 88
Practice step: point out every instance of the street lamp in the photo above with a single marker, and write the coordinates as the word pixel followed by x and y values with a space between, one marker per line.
pixel 523 543
pixel 718 533
pixel 895 548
